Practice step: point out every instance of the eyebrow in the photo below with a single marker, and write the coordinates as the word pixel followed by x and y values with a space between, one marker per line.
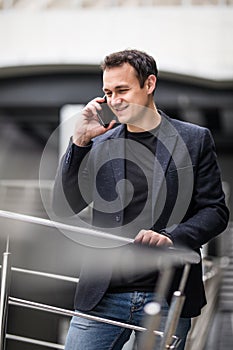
pixel 118 87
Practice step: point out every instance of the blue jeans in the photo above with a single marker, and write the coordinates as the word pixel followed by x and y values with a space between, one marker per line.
pixel 86 334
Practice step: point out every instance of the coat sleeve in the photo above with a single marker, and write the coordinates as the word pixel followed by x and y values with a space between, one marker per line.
pixel 68 198
pixel 207 215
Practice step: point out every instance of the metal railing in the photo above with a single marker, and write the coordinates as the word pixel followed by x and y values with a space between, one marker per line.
pixel 165 260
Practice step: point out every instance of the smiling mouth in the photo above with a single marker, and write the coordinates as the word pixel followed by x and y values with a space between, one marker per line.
pixel 120 109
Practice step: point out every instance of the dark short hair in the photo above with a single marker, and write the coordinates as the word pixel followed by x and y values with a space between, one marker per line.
pixel 143 63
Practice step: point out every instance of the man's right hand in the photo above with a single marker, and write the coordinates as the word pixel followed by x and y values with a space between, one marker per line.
pixel 88 126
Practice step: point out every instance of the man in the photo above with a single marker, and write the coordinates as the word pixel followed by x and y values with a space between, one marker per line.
pixel 152 178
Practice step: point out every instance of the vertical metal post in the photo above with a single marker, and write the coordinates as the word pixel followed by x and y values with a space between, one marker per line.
pixel 163 283
pixel 153 311
pixel 175 311
pixel 184 277
pixel 172 319
pixel 153 314
pixel 5 285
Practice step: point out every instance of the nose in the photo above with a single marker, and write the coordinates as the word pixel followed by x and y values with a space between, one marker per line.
pixel 115 100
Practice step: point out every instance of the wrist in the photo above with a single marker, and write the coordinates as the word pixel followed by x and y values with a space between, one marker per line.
pixel 81 141
pixel 165 233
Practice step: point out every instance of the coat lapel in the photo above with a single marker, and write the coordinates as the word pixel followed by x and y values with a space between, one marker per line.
pixel 166 146
pixel 117 155
pixel 167 140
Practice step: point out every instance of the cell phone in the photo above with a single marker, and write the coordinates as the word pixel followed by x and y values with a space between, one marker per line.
pixel 106 114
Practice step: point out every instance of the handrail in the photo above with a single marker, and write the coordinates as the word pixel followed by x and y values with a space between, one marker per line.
pixel 165 260
pixel 59 225
pixel 171 255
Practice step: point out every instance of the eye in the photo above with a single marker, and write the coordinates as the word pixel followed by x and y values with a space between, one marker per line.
pixel 108 94
pixel 122 91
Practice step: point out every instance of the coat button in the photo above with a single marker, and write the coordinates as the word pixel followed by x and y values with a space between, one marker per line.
pixel 68 157
pixel 118 218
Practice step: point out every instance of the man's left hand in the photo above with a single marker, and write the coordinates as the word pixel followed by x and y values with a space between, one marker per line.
pixel 152 238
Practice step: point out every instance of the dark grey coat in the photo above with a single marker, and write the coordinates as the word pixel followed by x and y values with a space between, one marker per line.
pixel 187 197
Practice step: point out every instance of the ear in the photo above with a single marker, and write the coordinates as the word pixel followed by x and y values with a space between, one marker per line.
pixel 151 83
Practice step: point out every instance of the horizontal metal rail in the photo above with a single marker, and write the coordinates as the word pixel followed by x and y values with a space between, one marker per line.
pixel 34 341
pixel 45 274
pixel 207 275
pixel 176 256
pixel 65 312
pixel 66 227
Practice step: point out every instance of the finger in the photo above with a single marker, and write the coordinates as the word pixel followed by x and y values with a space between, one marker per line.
pixel 147 237
pixel 97 105
pixel 91 108
pixel 102 129
pixel 100 99
pixel 139 236
pixel 164 241
pixel 154 238
pixel 111 124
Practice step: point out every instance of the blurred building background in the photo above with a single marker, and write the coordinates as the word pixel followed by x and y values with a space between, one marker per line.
pixel 50 51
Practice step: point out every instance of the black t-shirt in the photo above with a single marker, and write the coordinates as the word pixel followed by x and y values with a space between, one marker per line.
pixel 139 165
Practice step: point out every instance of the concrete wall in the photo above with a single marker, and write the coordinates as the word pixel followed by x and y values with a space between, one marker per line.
pixel 189 40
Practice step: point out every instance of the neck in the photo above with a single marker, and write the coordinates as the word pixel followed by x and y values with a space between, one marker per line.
pixel 150 120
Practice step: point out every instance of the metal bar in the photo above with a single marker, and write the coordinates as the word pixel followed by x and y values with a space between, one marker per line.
pixel 175 310
pixel 177 256
pixel 163 284
pixel 59 225
pixel 153 311
pixel 34 341
pixel 172 319
pixel 5 286
pixel 46 274
pixel 65 312
pixel 184 277
pixel 152 319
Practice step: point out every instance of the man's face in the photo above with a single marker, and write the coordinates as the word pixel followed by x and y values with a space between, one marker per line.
pixel 124 94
